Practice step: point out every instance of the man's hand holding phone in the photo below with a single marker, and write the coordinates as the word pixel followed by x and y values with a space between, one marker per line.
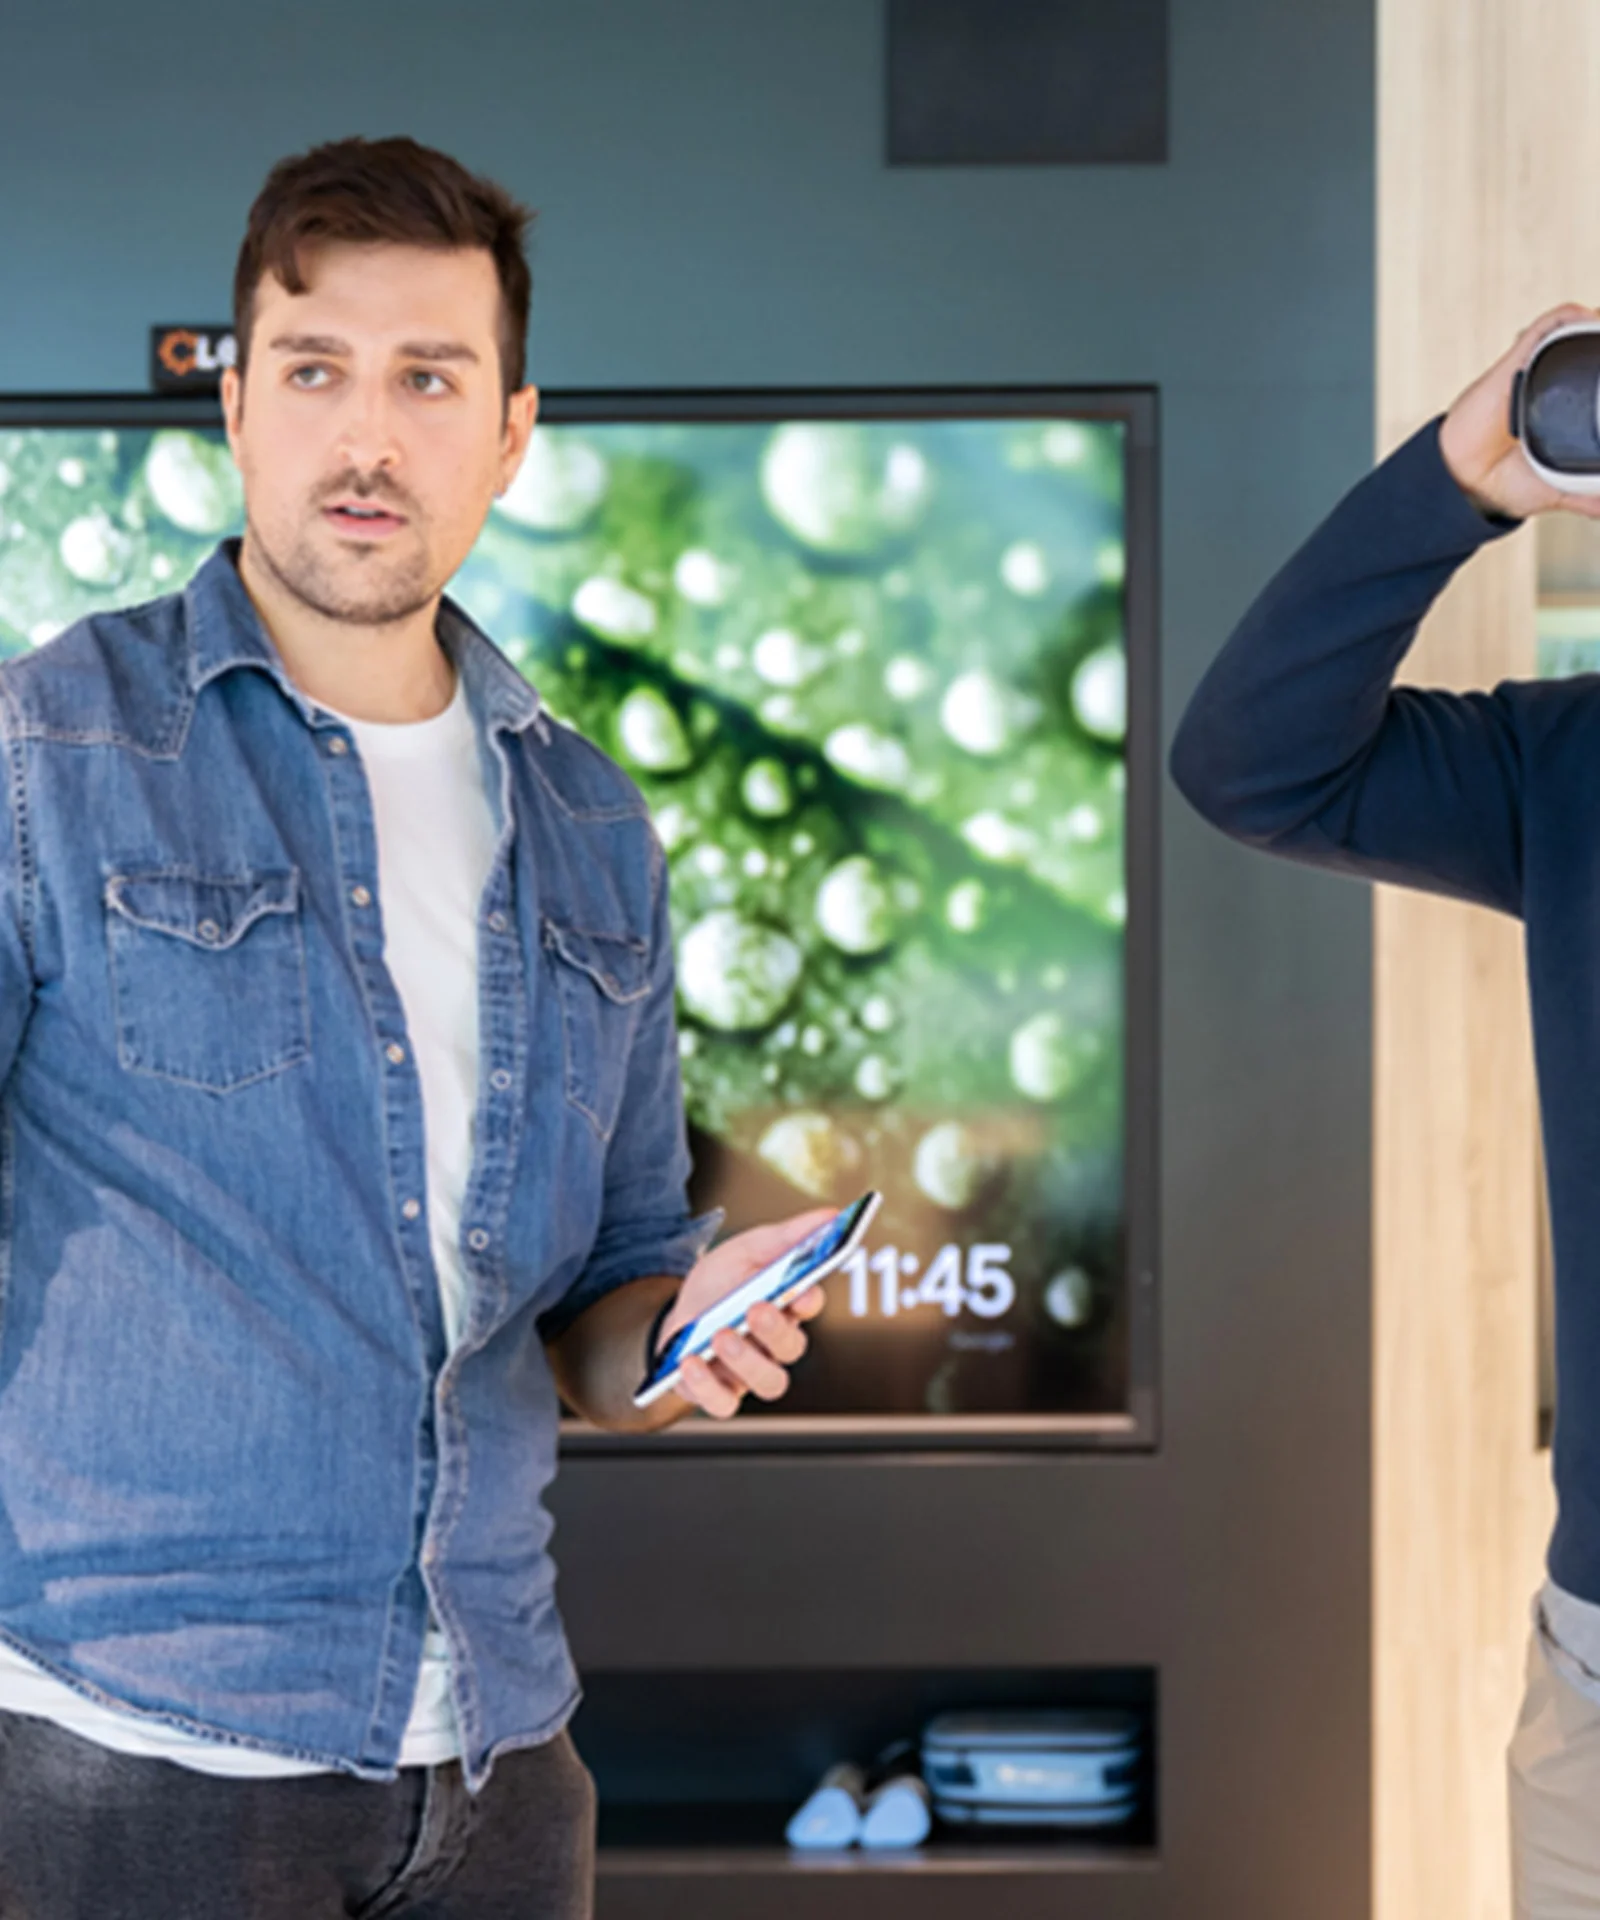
pixel 758 1361
pixel 1483 454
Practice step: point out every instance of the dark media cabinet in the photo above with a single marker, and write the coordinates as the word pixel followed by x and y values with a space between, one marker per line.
pixel 741 1622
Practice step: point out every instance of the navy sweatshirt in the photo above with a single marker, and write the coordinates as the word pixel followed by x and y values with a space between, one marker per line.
pixel 1296 742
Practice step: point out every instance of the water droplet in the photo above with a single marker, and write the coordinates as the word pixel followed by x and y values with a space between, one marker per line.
pixel 811 1150
pixel 614 610
pixel 701 577
pixel 560 483
pixel 875 759
pixel 949 1165
pixel 783 659
pixel 734 973
pixel 1099 693
pixel 964 906
pixel 855 906
pixel 1069 1297
pixel 905 677
pixel 877 1014
pixel 1023 568
pixel 973 713
pixel 651 734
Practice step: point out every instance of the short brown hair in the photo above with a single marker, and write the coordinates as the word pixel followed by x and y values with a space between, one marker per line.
pixel 384 190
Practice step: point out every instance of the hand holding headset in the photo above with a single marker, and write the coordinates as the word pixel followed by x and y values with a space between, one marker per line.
pixel 1555 408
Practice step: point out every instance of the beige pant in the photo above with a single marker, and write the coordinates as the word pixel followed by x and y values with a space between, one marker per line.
pixel 1554 1774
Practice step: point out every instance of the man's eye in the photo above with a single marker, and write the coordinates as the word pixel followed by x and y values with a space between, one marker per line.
pixel 297 376
pixel 425 373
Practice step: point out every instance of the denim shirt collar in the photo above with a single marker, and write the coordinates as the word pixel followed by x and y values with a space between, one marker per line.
pixel 225 631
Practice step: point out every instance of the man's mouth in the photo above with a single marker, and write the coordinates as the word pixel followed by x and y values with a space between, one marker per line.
pixel 354 518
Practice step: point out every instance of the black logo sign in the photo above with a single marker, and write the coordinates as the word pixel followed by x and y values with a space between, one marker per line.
pixel 190 359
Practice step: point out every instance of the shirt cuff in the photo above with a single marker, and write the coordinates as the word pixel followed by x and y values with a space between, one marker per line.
pixel 628 1257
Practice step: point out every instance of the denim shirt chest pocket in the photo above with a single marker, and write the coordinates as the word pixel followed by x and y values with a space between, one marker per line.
pixel 600 979
pixel 208 974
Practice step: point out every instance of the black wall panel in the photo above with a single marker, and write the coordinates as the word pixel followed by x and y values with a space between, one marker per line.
pixel 1007 81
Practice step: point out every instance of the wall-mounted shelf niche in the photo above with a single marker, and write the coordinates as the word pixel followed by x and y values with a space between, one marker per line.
pixel 699 1771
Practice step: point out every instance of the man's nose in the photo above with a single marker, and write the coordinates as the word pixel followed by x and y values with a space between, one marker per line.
pixel 368 440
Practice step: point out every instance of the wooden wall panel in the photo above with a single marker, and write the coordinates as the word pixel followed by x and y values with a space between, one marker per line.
pixel 1489 139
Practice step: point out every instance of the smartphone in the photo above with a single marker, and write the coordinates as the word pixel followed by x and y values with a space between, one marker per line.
pixel 787 1277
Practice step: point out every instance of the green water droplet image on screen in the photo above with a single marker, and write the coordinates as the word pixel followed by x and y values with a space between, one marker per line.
pixel 870 677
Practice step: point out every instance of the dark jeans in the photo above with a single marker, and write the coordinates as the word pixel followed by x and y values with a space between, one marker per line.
pixel 88 1834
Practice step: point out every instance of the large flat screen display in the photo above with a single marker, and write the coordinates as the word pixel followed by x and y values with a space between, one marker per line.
pixel 883 667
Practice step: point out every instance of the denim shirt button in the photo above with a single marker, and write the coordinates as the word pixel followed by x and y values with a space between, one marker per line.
pixel 338 744
pixel 361 896
pixel 477 1239
pixel 394 1053
pixel 411 1208
pixel 497 923
pixel 499 1079
pixel 209 931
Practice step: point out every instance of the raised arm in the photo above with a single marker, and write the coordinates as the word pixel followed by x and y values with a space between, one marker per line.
pixel 1296 740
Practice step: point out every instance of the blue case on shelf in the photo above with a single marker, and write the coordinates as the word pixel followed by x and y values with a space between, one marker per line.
pixel 1038 1768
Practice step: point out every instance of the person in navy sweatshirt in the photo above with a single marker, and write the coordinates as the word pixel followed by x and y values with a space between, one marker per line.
pixel 1297 742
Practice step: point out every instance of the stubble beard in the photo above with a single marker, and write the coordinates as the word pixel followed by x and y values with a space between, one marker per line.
pixel 401 589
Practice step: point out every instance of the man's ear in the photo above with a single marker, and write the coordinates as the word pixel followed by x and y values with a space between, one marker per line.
pixel 232 405
pixel 522 409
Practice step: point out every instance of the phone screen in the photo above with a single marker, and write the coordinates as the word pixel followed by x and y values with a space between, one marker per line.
pixel 784 1276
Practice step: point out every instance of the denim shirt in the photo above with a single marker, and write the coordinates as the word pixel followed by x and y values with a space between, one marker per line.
pixel 235 1463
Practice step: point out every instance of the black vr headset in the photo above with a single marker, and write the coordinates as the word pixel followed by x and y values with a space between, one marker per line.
pixel 1555 409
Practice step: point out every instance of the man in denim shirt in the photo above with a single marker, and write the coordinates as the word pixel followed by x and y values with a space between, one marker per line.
pixel 287 861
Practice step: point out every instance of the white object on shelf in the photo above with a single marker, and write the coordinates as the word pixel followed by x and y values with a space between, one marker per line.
pixel 898 1813
pixel 830 1816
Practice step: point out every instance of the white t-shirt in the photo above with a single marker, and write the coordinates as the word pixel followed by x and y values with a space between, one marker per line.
pixel 435 827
